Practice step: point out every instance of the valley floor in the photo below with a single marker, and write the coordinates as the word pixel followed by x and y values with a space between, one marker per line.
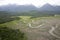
pixel 44 28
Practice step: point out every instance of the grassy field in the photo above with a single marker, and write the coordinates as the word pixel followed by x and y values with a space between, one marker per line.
pixel 40 33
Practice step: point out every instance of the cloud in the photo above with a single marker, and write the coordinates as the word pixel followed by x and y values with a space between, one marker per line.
pixel 34 2
pixel 53 2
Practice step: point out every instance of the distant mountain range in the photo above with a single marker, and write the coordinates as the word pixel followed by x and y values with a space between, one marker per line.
pixel 21 8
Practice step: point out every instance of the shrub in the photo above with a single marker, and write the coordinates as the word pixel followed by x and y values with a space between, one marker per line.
pixel 11 34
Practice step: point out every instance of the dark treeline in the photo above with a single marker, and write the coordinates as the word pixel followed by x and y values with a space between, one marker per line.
pixel 29 13
pixel 36 13
pixel 7 17
pixel 10 16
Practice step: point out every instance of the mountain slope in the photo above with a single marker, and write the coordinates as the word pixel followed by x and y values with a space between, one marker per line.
pixel 47 7
pixel 21 8
pixel 17 8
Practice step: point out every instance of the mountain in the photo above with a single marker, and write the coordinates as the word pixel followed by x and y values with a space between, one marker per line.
pixel 21 8
pixel 18 8
pixel 48 7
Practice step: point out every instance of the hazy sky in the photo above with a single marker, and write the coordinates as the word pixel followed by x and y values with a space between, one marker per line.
pixel 34 2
